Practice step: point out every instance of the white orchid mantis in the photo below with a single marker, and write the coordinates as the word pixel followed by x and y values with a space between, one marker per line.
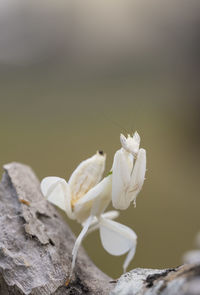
pixel 129 169
pixel 85 196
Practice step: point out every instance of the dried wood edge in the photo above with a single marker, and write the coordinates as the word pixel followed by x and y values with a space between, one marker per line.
pixel 183 280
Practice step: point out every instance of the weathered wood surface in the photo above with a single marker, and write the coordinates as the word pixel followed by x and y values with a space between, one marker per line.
pixel 183 280
pixel 36 246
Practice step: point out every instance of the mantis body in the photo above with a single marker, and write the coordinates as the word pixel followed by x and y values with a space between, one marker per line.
pixel 86 196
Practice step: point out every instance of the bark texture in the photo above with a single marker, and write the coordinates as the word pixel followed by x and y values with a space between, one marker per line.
pixel 36 246
pixel 183 280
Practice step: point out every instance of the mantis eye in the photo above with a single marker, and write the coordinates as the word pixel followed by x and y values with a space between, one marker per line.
pixel 101 152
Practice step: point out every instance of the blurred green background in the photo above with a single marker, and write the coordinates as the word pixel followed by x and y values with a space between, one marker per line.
pixel 56 112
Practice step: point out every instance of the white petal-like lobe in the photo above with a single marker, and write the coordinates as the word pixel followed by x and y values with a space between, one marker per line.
pixel 111 214
pixel 137 176
pixel 47 183
pixel 121 172
pixel 52 190
pixel 118 239
pixel 95 222
pixel 101 194
pixel 86 176
pixel 57 191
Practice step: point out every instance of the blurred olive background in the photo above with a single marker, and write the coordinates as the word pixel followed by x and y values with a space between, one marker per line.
pixel 75 74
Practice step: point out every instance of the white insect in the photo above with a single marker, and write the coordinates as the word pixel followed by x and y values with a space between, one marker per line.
pixel 85 196
pixel 129 169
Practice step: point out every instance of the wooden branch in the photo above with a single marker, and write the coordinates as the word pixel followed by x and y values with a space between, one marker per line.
pixel 183 280
pixel 36 246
